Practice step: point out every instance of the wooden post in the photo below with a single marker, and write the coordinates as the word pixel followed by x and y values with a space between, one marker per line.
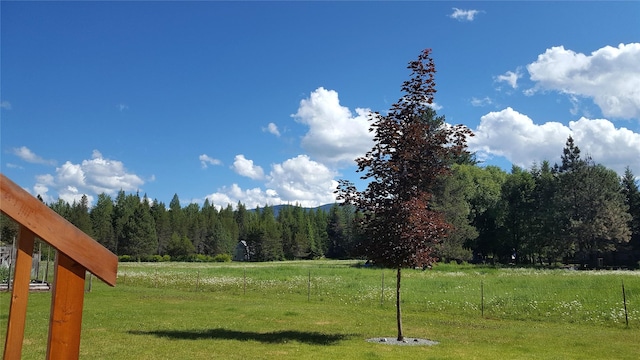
pixel 19 295
pixel 309 287
pixel 66 309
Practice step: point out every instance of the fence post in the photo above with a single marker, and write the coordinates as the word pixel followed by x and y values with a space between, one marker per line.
pixel 309 287
pixel 382 289
pixel 482 297
pixel 198 280
pixel 624 301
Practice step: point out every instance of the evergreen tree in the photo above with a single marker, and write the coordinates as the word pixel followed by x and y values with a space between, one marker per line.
pixel 229 231
pixel 288 231
pixel 591 203
pixel 210 218
pixel 80 217
pixel 195 226
pixel 631 194
pixel 177 217
pixel 336 234
pixel 271 236
pixel 102 222
pixel 320 226
pixel 241 218
pixel 141 239
pixel 124 220
pixel 160 217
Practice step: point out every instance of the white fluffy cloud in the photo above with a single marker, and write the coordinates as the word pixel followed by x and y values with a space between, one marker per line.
pixel 299 180
pixel 5 105
pixel 610 76
pixel 245 167
pixel 91 177
pixel 304 180
pixel 463 15
pixel 335 136
pixel 516 137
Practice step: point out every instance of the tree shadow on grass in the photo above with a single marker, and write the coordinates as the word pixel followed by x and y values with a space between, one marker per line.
pixel 276 337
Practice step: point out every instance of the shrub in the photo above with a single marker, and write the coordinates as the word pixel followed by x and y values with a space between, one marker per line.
pixel 4 274
pixel 222 258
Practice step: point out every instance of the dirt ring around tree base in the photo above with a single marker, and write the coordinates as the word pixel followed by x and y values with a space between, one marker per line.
pixel 406 342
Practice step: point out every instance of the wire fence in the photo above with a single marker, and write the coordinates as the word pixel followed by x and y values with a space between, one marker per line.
pixel 605 297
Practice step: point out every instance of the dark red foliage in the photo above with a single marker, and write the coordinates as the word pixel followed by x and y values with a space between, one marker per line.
pixel 413 148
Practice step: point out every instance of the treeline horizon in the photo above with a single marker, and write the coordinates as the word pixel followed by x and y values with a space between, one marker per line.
pixel 574 212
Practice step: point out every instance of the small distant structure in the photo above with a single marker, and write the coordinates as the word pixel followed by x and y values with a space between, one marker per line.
pixel 7 259
pixel 242 253
pixel 7 253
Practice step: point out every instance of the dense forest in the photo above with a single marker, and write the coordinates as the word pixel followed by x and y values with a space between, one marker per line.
pixel 575 212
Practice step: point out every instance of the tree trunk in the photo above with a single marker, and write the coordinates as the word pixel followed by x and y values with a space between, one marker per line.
pixel 398 310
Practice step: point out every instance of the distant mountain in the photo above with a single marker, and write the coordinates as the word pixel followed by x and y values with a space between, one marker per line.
pixel 276 208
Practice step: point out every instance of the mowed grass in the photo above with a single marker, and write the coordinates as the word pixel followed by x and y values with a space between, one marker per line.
pixel 327 310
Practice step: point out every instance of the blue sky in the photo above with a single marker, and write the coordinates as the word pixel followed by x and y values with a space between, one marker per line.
pixel 266 102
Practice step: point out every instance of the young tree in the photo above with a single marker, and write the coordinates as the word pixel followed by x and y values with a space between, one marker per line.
pixel 413 148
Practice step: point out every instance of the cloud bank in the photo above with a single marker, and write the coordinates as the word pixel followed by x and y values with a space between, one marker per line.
pixel 516 137
pixel 610 76
pixel 95 176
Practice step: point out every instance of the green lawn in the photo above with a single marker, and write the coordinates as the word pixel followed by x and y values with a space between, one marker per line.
pixel 327 309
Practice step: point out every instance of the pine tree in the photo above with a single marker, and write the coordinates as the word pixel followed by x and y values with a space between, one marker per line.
pixel 80 217
pixel 631 194
pixel 591 205
pixel 160 217
pixel 102 222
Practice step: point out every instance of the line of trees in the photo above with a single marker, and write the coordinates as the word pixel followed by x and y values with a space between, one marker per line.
pixel 573 212
pixel 135 227
pixel 577 211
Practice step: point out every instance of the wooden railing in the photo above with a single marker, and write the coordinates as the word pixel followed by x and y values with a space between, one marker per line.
pixel 76 254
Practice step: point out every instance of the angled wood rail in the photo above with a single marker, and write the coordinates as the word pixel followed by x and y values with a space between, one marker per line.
pixel 77 253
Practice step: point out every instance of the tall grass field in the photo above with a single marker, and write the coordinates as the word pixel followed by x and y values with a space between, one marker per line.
pixel 328 309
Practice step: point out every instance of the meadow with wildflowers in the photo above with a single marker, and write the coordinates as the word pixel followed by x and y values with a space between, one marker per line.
pixel 327 309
